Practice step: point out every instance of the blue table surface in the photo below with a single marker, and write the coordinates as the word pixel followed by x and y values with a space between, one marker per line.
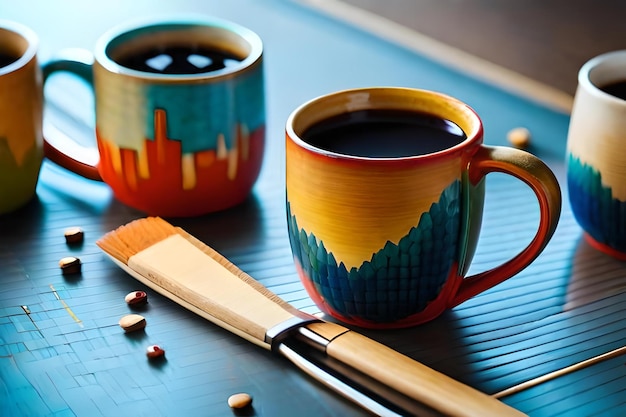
pixel 566 307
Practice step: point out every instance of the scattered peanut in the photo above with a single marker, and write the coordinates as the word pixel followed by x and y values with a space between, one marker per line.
pixel 519 137
pixel 154 351
pixel 240 400
pixel 74 235
pixel 136 298
pixel 132 322
pixel 70 265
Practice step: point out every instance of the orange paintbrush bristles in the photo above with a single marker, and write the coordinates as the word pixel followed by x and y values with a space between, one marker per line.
pixel 127 240
pixel 176 264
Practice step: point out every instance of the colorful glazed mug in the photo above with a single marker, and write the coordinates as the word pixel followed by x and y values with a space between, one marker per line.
pixel 384 242
pixel 21 143
pixel 180 115
pixel 596 161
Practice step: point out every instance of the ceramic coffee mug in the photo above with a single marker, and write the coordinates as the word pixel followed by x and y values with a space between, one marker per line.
pixel 21 143
pixel 596 161
pixel 180 115
pixel 385 192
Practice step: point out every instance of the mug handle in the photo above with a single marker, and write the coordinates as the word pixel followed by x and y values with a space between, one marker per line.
pixel 536 174
pixel 58 147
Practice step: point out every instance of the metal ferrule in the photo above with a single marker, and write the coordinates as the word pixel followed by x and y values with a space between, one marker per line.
pixel 276 334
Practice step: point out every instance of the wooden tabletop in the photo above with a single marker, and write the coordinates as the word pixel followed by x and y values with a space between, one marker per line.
pixel 62 352
pixel 546 41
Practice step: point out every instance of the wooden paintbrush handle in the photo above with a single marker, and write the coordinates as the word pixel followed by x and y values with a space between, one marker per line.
pixel 406 375
pixel 194 275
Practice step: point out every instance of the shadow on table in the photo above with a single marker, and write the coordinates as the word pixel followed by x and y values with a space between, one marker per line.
pixel 25 221
pixel 594 276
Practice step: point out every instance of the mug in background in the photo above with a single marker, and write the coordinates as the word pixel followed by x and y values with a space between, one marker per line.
pixel 383 229
pixel 21 143
pixel 180 115
pixel 596 156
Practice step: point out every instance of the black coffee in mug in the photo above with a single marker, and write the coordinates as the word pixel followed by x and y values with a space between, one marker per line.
pixel 616 89
pixel 7 59
pixel 384 133
pixel 178 59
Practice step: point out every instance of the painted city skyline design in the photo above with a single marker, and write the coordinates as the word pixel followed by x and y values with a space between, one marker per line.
pixel 134 165
pixel 141 177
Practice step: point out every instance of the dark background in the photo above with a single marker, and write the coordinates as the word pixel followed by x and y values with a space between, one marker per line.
pixel 545 40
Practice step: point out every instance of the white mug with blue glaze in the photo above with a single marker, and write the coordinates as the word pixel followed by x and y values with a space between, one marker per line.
pixel 596 160
pixel 180 114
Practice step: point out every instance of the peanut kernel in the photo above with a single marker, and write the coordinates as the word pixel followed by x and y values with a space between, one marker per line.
pixel 74 235
pixel 519 137
pixel 154 351
pixel 132 322
pixel 136 298
pixel 70 265
pixel 239 400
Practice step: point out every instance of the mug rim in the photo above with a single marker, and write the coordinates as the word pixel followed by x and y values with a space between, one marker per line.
pixel 189 22
pixel 32 42
pixel 598 63
pixel 474 135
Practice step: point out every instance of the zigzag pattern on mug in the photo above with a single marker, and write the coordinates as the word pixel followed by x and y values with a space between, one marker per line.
pixel 594 207
pixel 134 166
pixel 11 159
pixel 386 288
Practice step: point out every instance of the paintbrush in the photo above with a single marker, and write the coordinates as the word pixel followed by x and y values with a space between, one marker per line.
pixel 381 380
